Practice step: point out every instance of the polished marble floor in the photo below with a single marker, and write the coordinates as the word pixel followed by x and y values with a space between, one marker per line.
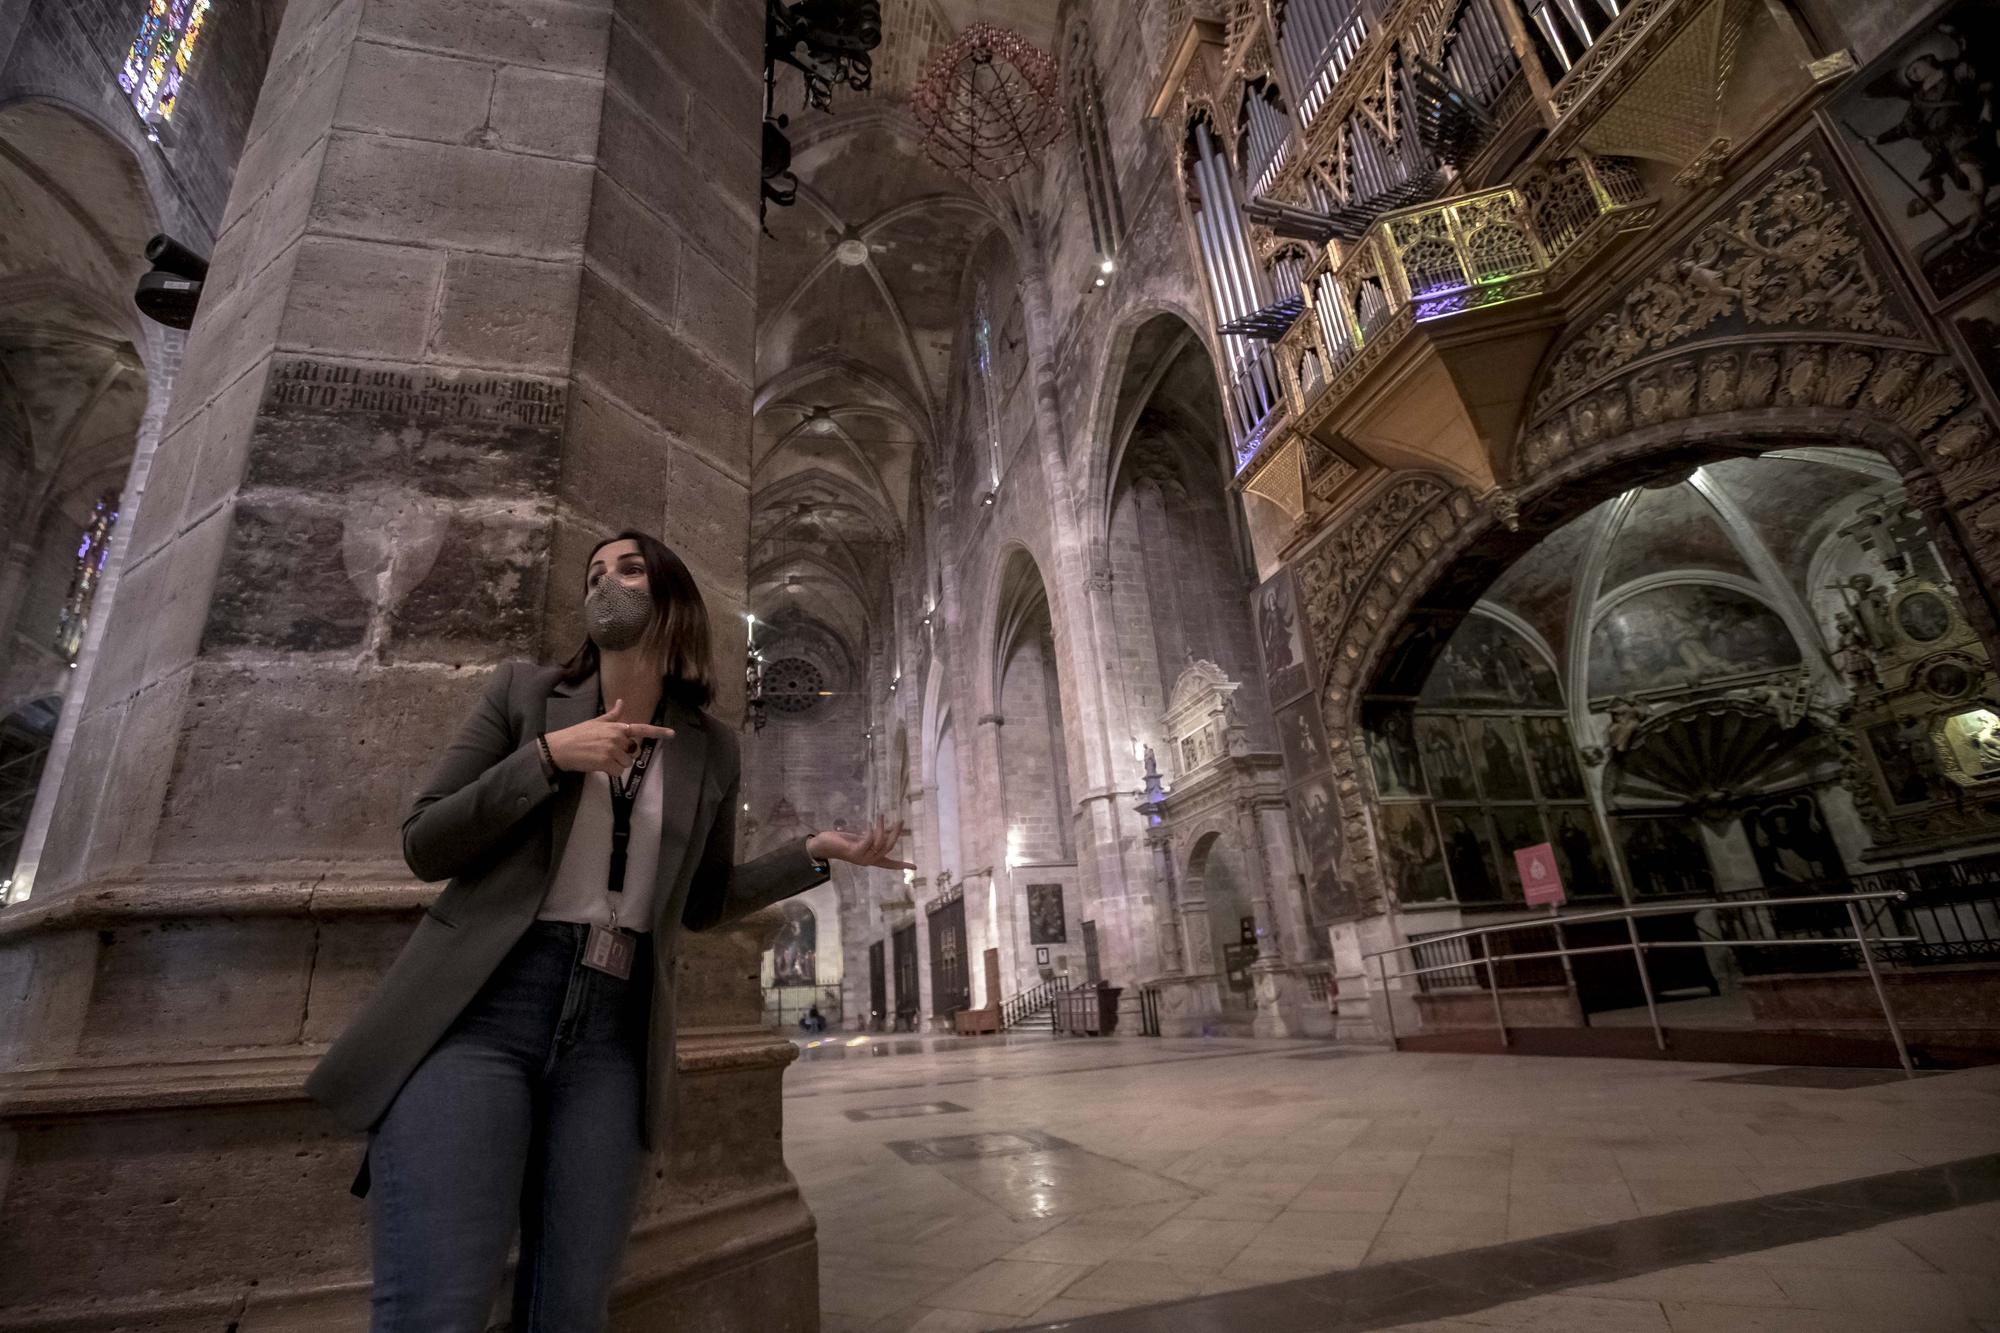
pixel 1121 1185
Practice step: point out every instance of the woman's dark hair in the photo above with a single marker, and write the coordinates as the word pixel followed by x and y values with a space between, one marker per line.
pixel 679 632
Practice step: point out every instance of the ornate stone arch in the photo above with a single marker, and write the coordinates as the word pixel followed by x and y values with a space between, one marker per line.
pixel 1775 323
pixel 1778 303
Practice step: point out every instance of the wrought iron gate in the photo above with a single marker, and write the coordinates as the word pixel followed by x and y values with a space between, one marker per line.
pixel 903 944
pixel 951 978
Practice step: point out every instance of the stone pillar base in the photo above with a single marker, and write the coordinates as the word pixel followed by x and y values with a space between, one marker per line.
pixel 161 1168
pixel 1194 1007
pixel 1284 1009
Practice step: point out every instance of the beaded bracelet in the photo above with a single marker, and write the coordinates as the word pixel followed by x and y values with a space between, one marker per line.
pixel 548 755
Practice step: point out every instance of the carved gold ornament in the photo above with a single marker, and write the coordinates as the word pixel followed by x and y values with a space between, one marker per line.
pixel 1786 258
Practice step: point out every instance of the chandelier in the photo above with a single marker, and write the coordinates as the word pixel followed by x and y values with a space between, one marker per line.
pixel 988 103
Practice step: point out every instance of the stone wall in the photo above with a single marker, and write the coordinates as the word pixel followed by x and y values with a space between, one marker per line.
pixel 480 295
pixel 70 51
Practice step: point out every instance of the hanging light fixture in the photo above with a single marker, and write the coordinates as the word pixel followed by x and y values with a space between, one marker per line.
pixel 828 42
pixel 753 674
pixel 988 103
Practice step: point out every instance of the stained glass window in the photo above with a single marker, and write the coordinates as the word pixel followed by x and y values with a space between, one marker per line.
pixel 982 342
pixel 91 549
pixel 161 54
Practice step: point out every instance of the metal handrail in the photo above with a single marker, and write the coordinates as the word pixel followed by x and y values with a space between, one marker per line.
pixel 1638 947
pixel 1020 1008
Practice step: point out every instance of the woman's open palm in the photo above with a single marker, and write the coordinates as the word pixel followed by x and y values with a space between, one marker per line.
pixel 868 848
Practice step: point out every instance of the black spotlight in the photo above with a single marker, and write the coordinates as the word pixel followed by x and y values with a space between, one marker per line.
pixel 169 294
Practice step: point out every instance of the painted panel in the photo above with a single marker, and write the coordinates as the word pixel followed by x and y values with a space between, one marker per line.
pixel 1301 738
pixel 1684 633
pixel 1281 636
pixel 1553 757
pixel 1664 855
pixel 1468 850
pixel 1445 761
pixel 794 952
pixel 1392 750
pixel 1413 860
pixel 1046 923
pixel 1487 665
pixel 1918 128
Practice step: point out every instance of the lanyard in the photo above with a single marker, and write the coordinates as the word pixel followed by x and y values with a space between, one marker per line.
pixel 624 795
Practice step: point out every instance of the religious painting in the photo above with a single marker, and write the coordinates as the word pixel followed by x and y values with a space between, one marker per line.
pixel 1412 653
pixel 1795 852
pixel 1664 855
pixel 1445 762
pixel 1319 825
pixel 1906 761
pixel 1468 850
pixel 1978 326
pixel 1684 633
pixel 1515 829
pixel 1301 738
pixel 1392 750
pixel 1553 757
pixel 1924 615
pixel 1329 898
pixel 1487 665
pixel 1968 743
pixel 1281 633
pixel 1918 125
pixel 1413 860
pixel 1046 924
pixel 1497 755
pixel 1579 854
pixel 793 961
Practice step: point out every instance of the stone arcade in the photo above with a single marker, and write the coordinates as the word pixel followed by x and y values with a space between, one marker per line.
pixel 1320 449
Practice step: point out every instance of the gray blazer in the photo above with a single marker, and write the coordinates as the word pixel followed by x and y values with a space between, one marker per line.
pixel 489 821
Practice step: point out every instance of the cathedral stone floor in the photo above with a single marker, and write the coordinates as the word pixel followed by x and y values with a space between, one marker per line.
pixel 1163 1186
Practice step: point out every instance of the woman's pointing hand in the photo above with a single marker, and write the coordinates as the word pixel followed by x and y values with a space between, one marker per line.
pixel 604 744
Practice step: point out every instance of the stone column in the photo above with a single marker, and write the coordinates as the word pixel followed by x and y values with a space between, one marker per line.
pixel 15 564
pixel 163 369
pixel 483 292
pixel 1276 986
pixel 1077 599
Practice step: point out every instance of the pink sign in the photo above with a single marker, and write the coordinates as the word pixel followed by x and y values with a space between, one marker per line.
pixel 1540 880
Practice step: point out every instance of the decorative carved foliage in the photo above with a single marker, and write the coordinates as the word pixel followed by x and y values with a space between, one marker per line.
pixel 1922 395
pixel 1351 578
pixel 1787 257
pixel 1353 585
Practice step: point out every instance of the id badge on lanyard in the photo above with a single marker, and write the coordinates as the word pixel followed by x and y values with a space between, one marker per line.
pixel 611 949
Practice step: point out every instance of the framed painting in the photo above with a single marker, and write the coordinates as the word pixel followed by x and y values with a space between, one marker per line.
pixel 1917 126
pixel 1390 734
pixel 1496 754
pixel 1445 762
pixel 1281 637
pixel 1412 857
pixel 1318 820
pixel 1468 850
pixel 1301 738
pixel 794 953
pixel 1976 325
pixel 1046 924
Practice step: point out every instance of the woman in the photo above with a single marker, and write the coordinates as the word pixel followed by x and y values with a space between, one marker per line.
pixel 517 1062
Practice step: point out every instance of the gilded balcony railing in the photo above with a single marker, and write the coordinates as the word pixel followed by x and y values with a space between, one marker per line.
pixel 1441 259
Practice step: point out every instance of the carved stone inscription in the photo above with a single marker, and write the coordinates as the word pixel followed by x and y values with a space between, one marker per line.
pixel 417 394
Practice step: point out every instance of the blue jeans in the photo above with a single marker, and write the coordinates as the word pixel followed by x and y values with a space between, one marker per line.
pixel 526 1113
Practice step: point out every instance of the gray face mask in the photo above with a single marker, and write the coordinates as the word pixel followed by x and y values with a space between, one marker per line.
pixel 617 614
